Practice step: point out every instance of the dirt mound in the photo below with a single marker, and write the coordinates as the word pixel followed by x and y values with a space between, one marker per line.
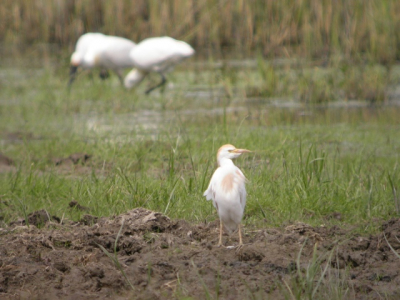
pixel 150 256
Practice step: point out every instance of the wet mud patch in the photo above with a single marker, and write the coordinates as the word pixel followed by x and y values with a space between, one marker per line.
pixel 75 164
pixel 73 159
pixel 151 256
pixel 79 163
pixel 17 136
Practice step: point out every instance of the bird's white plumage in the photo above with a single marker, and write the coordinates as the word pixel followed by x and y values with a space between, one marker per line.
pixel 114 53
pixel 158 54
pixel 227 188
pixel 228 193
pixel 96 50
pixel 106 51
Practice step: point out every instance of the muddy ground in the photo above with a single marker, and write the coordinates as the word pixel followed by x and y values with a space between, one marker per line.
pixel 166 259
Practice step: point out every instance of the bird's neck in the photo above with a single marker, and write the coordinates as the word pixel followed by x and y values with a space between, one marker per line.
pixel 133 78
pixel 224 162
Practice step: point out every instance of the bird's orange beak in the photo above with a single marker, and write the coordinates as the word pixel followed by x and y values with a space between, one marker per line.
pixel 241 151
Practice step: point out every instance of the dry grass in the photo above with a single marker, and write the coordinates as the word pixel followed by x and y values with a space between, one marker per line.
pixel 311 28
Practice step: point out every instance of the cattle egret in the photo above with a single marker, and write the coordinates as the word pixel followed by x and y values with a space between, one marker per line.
pixel 96 50
pixel 159 54
pixel 227 190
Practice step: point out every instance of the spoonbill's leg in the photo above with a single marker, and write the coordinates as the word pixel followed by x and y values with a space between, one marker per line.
pixel 162 82
pixel 104 74
pixel 72 75
pixel 121 79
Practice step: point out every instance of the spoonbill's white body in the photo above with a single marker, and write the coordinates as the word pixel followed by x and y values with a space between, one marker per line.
pixel 158 54
pixel 227 190
pixel 96 50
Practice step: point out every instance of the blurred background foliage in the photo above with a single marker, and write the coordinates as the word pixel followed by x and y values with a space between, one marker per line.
pixel 359 29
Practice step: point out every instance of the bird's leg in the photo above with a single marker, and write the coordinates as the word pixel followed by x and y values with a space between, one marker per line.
pixel 240 236
pixel 162 82
pixel 121 79
pixel 73 72
pixel 91 76
pixel 104 74
pixel 240 246
pixel 220 233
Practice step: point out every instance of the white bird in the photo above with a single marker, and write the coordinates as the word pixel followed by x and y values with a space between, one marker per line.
pixel 96 50
pixel 158 54
pixel 227 190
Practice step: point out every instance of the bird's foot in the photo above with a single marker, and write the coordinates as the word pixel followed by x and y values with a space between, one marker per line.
pixel 239 248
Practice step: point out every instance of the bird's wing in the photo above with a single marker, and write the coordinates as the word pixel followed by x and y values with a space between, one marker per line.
pixel 217 191
pixel 242 190
pixel 158 54
pixel 240 181
pixel 211 191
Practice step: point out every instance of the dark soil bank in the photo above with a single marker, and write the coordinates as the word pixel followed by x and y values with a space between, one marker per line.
pixel 165 259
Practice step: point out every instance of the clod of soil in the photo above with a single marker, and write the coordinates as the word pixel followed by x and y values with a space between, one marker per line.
pixel 89 220
pixel 76 205
pixel 164 259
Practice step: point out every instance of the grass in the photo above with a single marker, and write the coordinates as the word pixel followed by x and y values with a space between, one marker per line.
pixel 159 151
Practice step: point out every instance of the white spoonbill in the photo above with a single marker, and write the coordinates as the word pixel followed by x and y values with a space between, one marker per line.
pixel 158 54
pixel 97 50
pixel 227 190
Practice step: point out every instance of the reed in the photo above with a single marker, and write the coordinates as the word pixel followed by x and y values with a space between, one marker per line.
pixel 311 28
